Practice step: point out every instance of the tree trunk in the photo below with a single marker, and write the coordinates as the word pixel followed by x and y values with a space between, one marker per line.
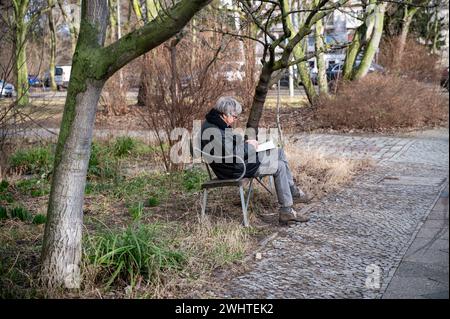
pixel 259 99
pixel 372 46
pixel 61 250
pixel 434 44
pixel 321 66
pixel 21 70
pixel 51 26
pixel 352 53
pixel 112 20
pixel 299 52
pixel 407 19
pixel 303 72
pixel 92 65
pixel 72 26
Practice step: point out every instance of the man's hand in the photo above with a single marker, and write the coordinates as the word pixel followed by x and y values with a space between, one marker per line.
pixel 253 142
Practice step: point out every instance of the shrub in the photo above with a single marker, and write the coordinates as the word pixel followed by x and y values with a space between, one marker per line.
pixel 379 102
pixel 124 146
pixel 21 213
pixel 417 62
pixel 36 160
pixel 39 219
pixel 129 254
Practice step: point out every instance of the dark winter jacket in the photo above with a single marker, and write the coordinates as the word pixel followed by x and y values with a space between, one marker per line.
pixel 219 140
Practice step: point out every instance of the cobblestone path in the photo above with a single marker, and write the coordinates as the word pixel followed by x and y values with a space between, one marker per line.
pixel 357 237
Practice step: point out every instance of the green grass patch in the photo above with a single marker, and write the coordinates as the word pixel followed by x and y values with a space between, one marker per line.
pixel 102 163
pixel 152 202
pixel 39 219
pixel 124 146
pixel 136 210
pixel 3 213
pixel 140 251
pixel 192 179
pixel 5 194
pixel 35 187
pixel 36 160
pixel 21 213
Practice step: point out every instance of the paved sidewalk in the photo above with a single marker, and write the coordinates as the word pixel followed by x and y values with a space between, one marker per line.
pixel 423 272
pixel 357 238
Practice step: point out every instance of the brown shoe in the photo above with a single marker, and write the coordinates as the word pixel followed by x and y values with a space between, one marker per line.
pixel 291 216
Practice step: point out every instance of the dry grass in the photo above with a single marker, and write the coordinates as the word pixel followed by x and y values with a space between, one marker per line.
pixel 318 173
pixel 379 103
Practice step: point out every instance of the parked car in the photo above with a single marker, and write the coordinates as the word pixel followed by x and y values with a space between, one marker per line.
pixel 7 89
pixel 334 71
pixel 33 80
pixel 62 76
pixel 444 78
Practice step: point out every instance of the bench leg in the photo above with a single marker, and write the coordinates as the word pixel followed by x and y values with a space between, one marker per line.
pixel 244 207
pixel 250 189
pixel 204 201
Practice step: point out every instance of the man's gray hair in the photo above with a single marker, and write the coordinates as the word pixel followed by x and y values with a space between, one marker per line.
pixel 228 106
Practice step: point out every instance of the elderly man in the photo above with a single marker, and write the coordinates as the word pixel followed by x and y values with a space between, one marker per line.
pixel 233 158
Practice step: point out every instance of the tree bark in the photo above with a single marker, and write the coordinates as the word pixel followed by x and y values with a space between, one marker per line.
pixel 61 250
pixel 372 46
pixel 321 66
pixel 259 99
pixel 299 52
pixel 20 46
pixel 72 26
pixel 352 53
pixel 51 25
pixel 92 65
pixel 407 19
pixel 303 72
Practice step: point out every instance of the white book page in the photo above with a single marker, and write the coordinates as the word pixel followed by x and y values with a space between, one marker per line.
pixel 266 146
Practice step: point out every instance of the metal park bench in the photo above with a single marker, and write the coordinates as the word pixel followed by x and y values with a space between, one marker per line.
pixel 240 182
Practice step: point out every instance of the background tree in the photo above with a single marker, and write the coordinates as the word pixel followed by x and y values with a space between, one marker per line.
pixel 22 19
pixel 366 41
pixel 51 26
pixel 93 64
pixel 278 48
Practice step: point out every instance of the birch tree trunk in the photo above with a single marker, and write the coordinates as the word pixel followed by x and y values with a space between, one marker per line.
pixel 92 65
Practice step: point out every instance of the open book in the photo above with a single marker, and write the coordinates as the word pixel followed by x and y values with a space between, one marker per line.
pixel 266 146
